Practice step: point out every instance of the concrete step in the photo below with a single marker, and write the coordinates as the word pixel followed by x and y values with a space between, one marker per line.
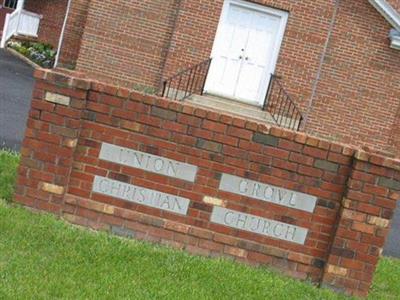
pixel 24 38
pixel 232 107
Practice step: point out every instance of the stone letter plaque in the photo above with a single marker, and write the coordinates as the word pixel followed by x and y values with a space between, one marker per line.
pixel 140 195
pixel 268 193
pixel 148 162
pixel 255 224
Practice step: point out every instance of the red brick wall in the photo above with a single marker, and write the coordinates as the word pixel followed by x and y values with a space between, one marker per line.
pixel 53 13
pixel 356 191
pixel 73 33
pixel 193 36
pixel 395 135
pixel 363 223
pixel 125 42
pixel 3 13
pixel 357 93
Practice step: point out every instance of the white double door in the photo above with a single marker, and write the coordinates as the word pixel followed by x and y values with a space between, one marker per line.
pixel 245 51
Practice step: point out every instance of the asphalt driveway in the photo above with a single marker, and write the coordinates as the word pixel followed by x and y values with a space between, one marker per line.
pixel 16 85
pixel 392 247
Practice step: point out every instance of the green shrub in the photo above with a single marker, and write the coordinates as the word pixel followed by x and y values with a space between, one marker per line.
pixel 40 53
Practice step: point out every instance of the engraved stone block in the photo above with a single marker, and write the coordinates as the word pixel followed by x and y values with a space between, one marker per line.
pixel 140 195
pixel 259 225
pixel 148 162
pixel 268 193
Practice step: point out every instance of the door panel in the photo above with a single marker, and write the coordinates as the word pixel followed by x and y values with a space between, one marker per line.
pixel 244 53
pixel 258 57
pixel 224 71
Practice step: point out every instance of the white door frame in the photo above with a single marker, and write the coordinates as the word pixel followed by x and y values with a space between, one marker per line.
pixel 20 4
pixel 283 15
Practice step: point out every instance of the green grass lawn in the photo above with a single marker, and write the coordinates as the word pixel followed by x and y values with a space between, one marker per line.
pixel 44 258
pixel 8 171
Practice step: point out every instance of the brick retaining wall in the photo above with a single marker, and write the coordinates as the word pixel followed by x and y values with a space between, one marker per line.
pixel 355 192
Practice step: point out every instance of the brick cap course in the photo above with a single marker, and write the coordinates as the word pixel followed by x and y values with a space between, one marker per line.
pixel 78 80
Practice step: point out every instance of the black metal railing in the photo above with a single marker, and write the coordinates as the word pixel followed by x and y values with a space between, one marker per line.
pixel 187 82
pixel 281 107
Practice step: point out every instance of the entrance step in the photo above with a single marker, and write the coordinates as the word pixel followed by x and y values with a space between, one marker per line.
pixel 24 38
pixel 223 105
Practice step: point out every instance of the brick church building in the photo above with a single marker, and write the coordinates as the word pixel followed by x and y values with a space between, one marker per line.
pixel 213 173
pixel 333 64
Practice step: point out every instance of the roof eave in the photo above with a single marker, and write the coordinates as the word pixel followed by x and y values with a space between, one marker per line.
pixel 388 12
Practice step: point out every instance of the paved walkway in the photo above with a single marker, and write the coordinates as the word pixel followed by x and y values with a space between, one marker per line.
pixel 16 85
